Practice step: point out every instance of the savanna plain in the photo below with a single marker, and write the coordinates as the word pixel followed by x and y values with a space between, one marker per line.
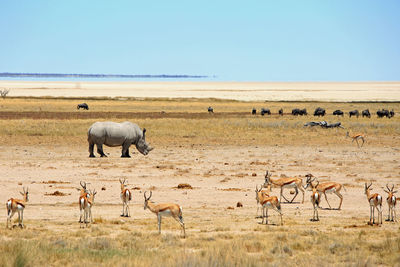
pixel 223 157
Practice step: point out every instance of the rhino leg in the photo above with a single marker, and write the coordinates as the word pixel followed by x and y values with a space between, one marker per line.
pixel 125 150
pixel 91 147
pixel 100 150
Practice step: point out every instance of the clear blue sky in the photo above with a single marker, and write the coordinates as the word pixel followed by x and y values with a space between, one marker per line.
pixel 321 40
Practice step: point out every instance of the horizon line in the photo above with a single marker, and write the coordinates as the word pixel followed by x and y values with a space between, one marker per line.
pixel 99 75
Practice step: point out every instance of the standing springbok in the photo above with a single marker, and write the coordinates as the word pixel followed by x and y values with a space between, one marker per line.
pixel 356 137
pixel 264 189
pixel 126 196
pixel 165 209
pixel 315 200
pixel 295 183
pixel 18 205
pixel 85 205
pixel 267 202
pixel 326 187
pixel 391 200
pixel 83 193
pixel 375 202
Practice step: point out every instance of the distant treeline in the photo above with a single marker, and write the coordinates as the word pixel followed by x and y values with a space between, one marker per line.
pixel 78 75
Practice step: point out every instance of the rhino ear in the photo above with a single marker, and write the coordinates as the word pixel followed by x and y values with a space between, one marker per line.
pixel 144 133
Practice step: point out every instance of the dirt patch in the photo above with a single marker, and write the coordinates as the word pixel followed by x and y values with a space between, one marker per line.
pixel 54 182
pixel 57 194
pixel 184 186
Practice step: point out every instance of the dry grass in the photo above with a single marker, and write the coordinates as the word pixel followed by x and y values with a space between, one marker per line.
pixel 189 129
pixel 136 245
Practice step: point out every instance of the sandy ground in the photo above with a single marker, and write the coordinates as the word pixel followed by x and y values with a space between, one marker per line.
pixel 246 91
pixel 221 176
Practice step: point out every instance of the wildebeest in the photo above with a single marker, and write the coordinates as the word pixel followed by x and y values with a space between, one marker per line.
pixel 391 113
pixel 354 113
pixel 83 105
pixel 319 112
pixel 210 110
pixel 338 112
pixel 365 113
pixel 254 112
pixel 300 112
pixel 281 112
pixel 117 134
pixel 383 113
pixel 265 111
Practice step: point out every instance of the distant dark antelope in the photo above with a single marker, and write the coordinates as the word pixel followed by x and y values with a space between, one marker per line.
pixel 83 105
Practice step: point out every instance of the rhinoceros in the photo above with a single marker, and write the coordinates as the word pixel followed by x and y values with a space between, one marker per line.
pixel 117 134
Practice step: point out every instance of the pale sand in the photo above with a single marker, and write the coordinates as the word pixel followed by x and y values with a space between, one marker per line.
pixel 213 172
pixel 245 91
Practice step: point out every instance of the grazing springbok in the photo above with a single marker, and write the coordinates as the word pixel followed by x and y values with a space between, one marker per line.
pixel 83 192
pixel 280 112
pixel 391 200
pixel 375 202
pixel 356 137
pixel 85 206
pixel 165 209
pixel 315 200
pixel 264 189
pixel 326 187
pixel 267 202
pixel 295 183
pixel 126 196
pixel 18 205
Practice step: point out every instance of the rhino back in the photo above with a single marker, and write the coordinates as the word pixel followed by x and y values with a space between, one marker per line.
pixel 114 134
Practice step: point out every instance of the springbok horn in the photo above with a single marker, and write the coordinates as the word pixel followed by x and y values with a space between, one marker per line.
pixel 83 185
pixel 256 188
pixel 387 186
pixel 370 184
pixel 145 195
pixel 151 193
pixel 144 133
pixel 392 187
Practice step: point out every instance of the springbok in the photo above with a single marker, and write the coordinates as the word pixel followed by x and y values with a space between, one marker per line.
pixel 264 189
pixel 18 205
pixel 326 187
pixel 375 202
pixel 315 200
pixel 356 137
pixel 83 192
pixel 295 183
pixel 165 209
pixel 126 196
pixel 85 205
pixel 392 201
pixel 267 202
